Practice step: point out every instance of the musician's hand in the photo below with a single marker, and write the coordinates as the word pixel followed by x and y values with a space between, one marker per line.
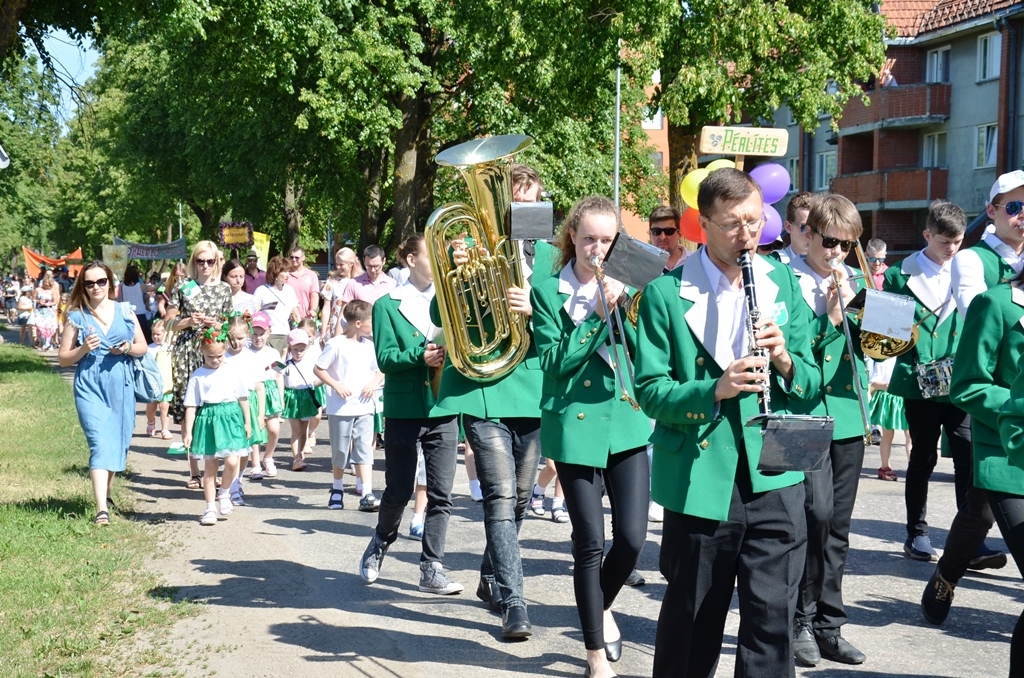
pixel 460 252
pixel 739 378
pixel 832 305
pixel 519 301
pixel 613 292
pixel 433 356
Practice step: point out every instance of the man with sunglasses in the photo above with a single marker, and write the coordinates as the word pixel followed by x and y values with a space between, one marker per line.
pixel 305 282
pixel 834 226
pixel 796 225
pixel 876 252
pixel 254 277
pixel 664 230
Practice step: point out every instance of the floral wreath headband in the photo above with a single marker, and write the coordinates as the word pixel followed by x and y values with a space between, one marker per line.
pixel 215 335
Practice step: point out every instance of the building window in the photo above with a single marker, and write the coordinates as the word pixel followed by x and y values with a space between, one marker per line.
pixel 937 68
pixel 658 160
pixel 655 121
pixel 990 47
pixel 793 167
pixel 825 170
pixel 988 138
pixel 790 118
pixel 935 150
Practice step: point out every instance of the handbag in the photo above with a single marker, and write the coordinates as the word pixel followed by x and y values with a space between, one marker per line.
pixel 149 384
pixel 318 398
pixel 163 363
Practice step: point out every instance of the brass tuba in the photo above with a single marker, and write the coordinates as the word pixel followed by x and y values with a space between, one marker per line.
pixel 485 338
pixel 878 346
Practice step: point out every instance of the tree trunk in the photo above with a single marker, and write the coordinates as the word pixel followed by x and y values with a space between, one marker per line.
pixel 206 215
pixel 414 168
pixel 372 165
pixel 682 159
pixel 293 194
pixel 11 12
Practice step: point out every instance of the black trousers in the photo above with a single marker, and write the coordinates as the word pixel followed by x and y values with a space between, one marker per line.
pixel 971 525
pixel 760 551
pixel 831 493
pixel 927 419
pixel 597 578
pixel 1008 510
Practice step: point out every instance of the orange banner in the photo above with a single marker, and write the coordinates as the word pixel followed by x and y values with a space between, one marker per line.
pixel 34 261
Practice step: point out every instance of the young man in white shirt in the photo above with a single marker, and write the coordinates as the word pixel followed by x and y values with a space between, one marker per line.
pixel 796 225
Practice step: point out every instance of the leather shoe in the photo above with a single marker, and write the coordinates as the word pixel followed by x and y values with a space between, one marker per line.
pixel 805 649
pixel 987 559
pixel 489 592
pixel 515 624
pixel 838 649
pixel 937 598
pixel 635 579
pixel 613 649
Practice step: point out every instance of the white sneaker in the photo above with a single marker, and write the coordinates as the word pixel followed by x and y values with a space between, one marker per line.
pixel 474 491
pixel 224 504
pixel 208 518
pixel 656 513
pixel 269 468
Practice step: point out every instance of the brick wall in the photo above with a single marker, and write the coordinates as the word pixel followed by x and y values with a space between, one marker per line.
pixel 909 64
pixel 899 229
pixel 856 153
pixel 897 149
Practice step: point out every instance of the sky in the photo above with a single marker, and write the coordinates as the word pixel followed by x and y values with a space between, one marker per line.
pixel 73 64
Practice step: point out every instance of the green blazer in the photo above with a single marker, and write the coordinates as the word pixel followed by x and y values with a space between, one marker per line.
pixel 545 261
pixel 832 356
pixel 514 395
pixel 697 441
pixel 583 418
pixel 982 377
pixel 1011 425
pixel 939 333
pixel 400 347
pixel 995 267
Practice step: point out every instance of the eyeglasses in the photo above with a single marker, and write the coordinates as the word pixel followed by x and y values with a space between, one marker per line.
pixel 829 243
pixel 295 258
pixel 1013 208
pixel 98 282
pixel 876 260
pixel 751 225
pixel 664 231
pixel 205 262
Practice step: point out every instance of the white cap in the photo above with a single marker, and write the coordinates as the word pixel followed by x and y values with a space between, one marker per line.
pixel 1006 183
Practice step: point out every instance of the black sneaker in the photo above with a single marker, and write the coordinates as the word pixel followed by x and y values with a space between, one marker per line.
pixel 335 500
pixel 373 556
pixel 920 548
pixel 987 559
pixel 937 598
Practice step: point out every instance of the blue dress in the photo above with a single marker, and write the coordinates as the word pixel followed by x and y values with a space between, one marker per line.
pixel 105 392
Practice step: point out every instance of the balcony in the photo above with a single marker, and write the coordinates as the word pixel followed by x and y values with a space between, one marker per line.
pixel 893 189
pixel 903 106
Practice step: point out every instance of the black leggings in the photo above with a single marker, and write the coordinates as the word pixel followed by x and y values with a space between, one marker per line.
pixel 627 480
pixel 1008 510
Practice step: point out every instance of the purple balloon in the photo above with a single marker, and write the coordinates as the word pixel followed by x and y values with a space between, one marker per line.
pixel 772 225
pixel 773 180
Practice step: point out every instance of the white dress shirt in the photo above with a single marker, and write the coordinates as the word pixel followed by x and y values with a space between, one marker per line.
pixel 968 274
pixel 731 337
pixel 939 279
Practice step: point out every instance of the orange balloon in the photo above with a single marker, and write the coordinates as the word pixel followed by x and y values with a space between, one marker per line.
pixel 689 225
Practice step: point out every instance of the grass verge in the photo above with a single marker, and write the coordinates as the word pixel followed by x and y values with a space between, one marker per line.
pixel 73 596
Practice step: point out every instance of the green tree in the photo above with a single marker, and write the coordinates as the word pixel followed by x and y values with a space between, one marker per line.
pixel 730 60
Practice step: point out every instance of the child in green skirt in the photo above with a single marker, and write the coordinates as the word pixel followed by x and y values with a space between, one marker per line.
pixel 300 400
pixel 243 360
pixel 266 361
pixel 217 424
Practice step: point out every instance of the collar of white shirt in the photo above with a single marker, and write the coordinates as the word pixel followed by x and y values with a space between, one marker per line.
pixel 1004 250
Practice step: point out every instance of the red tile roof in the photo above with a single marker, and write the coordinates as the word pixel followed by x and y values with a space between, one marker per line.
pixel 906 15
pixel 951 12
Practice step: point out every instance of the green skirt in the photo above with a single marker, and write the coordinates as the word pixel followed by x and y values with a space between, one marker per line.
pixel 321 392
pixel 272 398
pixel 886 411
pixel 219 431
pixel 299 404
pixel 259 434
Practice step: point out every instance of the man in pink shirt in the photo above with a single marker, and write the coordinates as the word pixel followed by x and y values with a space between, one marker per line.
pixel 306 284
pixel 373 284
pixel 254 277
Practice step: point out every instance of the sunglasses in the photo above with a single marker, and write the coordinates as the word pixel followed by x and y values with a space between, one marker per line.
pixel 294 258
pixel 98 282
pixel 829 243
pixel 664 231
pixel 205 262
pixel 876 260
pixel 1012 208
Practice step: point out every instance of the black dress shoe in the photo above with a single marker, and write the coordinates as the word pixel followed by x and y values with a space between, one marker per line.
pixel 635 579
pixel 515 624
pixel 613 649
pixel 987 559
pixel 805 648
pixel 489 592
pixel 838 649
pixel 937 598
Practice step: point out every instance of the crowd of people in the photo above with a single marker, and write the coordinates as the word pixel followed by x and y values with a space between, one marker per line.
pixel 251 349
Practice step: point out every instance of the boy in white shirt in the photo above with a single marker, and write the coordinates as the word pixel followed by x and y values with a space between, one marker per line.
pixel 348 365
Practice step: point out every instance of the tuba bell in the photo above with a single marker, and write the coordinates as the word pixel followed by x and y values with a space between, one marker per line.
pixel 485 338
pixel 878 346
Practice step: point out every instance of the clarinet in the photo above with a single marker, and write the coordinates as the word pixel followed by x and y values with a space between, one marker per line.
pixel 753 316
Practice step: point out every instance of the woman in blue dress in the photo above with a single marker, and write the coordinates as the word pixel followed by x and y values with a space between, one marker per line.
pixel 101 339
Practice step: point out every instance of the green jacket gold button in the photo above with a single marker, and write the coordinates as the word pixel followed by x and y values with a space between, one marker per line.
pixel 704 445
pixel 583 341
pixel 849 387
pixel 586 383
pixel 581 416
pixel 700 361
pixel 846 357
pixel 828 358
pixel 828 389
pixel 415 334
pixel 701 415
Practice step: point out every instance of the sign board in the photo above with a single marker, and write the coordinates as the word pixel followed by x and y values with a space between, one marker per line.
pixel 744 141
pixel 261 243
pixel 236 234
pixel 162 250
pixel 116 259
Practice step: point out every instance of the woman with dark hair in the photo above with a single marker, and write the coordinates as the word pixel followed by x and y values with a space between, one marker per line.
pixel 131 291
pixel 278 301
pixel 598 440
pixel 101 339
pixel 234 275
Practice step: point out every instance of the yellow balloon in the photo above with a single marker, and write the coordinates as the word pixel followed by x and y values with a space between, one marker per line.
pixel 720 163
pixel 691 182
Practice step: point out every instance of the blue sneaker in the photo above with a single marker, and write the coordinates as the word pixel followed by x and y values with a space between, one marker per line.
pixel 416 532
pixel 335 500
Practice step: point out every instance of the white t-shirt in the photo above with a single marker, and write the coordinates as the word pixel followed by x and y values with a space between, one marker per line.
pixel 354 364
pixel 153 349
pixel 300 374
pixel 285 299
pixel 221 385
pixel 246 364
pixel 262 360
pixel 243 301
